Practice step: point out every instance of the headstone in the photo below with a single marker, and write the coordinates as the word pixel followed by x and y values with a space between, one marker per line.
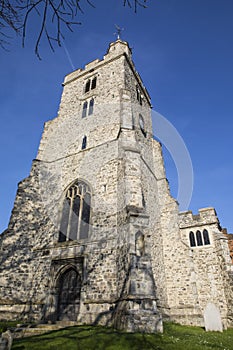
pixel 6 340
pixel 3 344
pixel 212 318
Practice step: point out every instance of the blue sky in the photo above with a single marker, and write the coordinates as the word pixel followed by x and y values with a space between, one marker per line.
pixel 183 51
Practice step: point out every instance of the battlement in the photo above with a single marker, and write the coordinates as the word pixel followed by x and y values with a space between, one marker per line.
pixel 205 216
pixel 116 49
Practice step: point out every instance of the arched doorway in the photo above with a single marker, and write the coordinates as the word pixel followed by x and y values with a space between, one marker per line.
pixel 69 295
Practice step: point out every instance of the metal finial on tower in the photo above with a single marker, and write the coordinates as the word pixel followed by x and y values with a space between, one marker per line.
pixel 119 31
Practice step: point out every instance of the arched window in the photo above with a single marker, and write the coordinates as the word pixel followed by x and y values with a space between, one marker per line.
pixel 87 86
pixel 93 83
pixel 91 106
pixel 199 238
pixel 75 213
pixel 84 113
pixel 192 239
pixel 206 237
pixel 84 142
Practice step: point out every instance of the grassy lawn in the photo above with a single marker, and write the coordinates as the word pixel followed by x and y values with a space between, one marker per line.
pixel 7 324
pixel 175 337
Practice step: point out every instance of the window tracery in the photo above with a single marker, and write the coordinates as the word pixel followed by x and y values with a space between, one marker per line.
pixel 76 210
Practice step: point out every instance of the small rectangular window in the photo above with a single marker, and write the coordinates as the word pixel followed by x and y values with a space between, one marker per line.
pixel 84 142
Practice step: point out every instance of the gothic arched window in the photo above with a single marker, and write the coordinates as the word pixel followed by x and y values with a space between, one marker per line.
pixel 84 113
pixel 91 106
pixel 199 238
pixel 206 237
pixel 192 239
pixel 75 213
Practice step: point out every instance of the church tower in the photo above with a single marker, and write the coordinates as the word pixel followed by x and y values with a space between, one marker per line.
pixel 95 236
pixel 80 223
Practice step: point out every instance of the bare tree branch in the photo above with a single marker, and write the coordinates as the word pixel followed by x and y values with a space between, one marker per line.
pixel 55 16
pixel 136 3
pixel 9 18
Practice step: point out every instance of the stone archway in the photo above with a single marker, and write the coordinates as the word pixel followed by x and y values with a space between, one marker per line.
pixel 69 295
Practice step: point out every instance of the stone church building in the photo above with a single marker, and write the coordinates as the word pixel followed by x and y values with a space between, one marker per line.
pixel 95 236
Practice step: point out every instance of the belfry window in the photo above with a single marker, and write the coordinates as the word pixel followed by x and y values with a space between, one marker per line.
pixel 87 86
pixel 76 210
pixel 90 84
pixel 91 106
pixel 84 113
pixel 93 83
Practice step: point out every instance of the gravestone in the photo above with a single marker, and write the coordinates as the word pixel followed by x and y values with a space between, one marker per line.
pixel 212 318
pixel 6 340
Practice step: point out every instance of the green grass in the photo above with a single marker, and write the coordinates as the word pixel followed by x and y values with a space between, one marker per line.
pixel 175 337
pixel 7 324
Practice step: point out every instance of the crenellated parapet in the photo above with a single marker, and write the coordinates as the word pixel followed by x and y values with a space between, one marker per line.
pixel 205 216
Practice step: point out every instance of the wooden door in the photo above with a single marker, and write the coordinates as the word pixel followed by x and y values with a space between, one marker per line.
pixel 69 296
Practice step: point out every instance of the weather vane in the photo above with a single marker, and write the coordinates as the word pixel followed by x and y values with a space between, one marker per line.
pixel 119 31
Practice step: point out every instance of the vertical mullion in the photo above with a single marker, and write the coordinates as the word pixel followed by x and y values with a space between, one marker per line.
pixel 70 216
pixel 80 215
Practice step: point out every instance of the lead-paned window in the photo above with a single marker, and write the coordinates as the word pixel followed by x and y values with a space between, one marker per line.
pixel 76 211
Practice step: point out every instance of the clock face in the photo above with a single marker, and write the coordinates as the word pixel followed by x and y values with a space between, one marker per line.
pixel 141 122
